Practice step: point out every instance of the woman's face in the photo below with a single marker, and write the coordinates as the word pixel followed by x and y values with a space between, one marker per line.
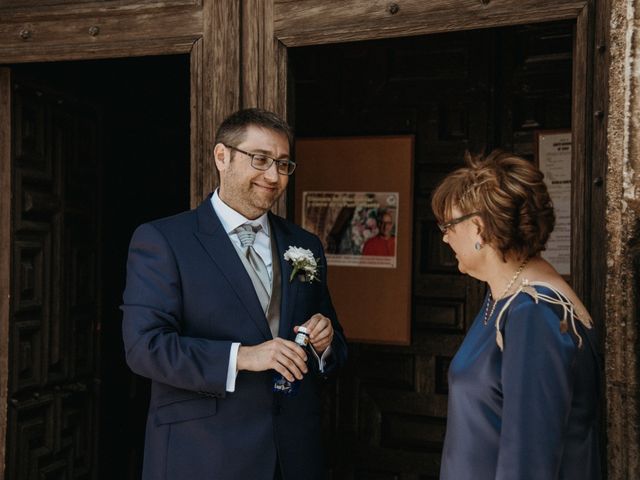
pixel 462 238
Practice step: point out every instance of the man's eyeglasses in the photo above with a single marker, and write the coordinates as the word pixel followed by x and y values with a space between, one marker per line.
pixel 260 161
pixel 446 226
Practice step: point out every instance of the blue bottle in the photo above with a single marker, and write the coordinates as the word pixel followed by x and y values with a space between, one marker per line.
pixel 280 383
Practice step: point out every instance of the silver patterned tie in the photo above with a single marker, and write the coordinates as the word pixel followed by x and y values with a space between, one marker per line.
pixel 247 235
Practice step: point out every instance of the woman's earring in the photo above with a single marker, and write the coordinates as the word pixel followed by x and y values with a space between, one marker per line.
pixel 478 246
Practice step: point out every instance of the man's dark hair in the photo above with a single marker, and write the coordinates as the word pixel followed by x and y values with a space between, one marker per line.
pixel 233 129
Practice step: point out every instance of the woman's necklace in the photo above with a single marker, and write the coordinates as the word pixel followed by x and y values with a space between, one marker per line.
pixel 488 313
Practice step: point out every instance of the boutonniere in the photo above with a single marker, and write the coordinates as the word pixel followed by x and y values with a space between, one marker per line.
pixel 303 263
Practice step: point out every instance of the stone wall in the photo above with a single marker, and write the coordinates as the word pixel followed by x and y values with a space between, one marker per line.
pixel 623 248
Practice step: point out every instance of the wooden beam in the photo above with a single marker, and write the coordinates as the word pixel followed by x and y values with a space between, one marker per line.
pixel 580 164
pixel 275 96
pixel 5 251
pixel 309 22
pixel 26 10
pixel 600 85
pixel 253 52
pixel 90 36
pixel 221 90
pixel 264 66
pixel 197 125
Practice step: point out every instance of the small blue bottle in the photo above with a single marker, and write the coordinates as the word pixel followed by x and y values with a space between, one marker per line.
pixel 280 383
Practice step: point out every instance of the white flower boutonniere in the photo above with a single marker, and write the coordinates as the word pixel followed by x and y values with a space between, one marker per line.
pixel 303 263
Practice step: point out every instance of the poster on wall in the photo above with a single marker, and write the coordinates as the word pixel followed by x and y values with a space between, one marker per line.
pixel 355 194
pixel 357 229
pixel 553 154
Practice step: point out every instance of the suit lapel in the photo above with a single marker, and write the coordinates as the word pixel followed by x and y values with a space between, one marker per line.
pixel 284 239
pixel 217 244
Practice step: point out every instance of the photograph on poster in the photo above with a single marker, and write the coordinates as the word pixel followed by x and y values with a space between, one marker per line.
pixel 357 229
pixel 554 160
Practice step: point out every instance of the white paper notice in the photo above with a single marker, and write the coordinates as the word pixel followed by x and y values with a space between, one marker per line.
pixel 554 158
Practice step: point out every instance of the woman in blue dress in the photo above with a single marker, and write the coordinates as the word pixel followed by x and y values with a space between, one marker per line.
pixel 524 385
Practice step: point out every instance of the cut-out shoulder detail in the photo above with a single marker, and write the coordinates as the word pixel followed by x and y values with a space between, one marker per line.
pixel 569 313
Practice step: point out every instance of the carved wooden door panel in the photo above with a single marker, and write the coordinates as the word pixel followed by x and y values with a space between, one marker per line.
pixel 54 317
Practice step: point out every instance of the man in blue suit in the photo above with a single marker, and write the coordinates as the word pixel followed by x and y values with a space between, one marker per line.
pixel 211 307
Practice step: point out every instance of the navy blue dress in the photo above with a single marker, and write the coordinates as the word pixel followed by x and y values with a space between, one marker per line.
pixel 530 411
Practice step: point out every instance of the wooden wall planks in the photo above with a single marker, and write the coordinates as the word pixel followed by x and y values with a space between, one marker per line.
pixel 308 22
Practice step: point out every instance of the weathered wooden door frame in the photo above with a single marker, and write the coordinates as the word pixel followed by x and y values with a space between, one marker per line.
pixel 207 30
pixel 5 249
pixel 286 24
pixel 238 52
pixel 296 24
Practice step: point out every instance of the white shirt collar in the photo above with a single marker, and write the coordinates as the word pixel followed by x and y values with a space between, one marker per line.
pixel 232 219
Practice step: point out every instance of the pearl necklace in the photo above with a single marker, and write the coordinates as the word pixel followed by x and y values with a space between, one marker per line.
pixel 488 313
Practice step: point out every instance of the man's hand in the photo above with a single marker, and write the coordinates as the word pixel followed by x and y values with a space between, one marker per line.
pixel 320 332
pixel 278 354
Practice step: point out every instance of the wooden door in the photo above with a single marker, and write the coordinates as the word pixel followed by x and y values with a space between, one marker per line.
pixel 386 415
pixel 54 315
pixel 208 31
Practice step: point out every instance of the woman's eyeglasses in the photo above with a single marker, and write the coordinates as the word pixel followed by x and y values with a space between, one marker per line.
pixel 446 226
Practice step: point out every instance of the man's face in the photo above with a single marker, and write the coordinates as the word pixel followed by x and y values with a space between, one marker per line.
pixel 386 225
pixel 249 191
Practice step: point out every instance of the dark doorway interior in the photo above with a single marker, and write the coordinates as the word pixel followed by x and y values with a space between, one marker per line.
pixel 141 160
pixel 468 90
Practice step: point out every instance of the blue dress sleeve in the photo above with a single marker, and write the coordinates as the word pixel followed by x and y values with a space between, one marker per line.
pixel 536 373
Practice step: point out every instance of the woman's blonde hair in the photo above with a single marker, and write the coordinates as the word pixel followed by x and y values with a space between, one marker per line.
pixel 510 197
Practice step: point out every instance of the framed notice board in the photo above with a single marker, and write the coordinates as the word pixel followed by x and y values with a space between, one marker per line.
pixel 355 193
pixel 553 156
